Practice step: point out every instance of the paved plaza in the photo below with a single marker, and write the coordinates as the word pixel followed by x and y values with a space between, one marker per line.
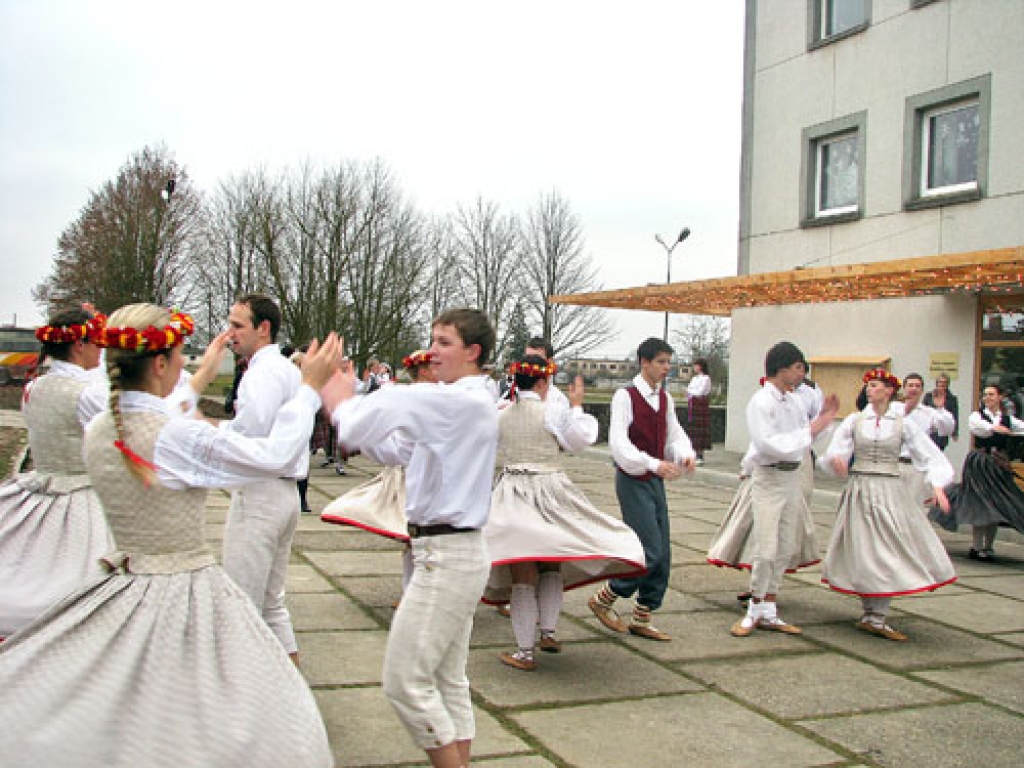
pixel 952 696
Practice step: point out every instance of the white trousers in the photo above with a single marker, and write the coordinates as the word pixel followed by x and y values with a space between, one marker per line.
pixel 777 501
pixel 257 546
pixel 425 661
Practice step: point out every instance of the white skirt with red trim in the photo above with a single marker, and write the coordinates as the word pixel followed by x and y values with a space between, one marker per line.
pixel 538 515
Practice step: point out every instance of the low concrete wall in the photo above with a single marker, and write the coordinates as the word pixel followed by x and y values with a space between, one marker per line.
pixel 602 412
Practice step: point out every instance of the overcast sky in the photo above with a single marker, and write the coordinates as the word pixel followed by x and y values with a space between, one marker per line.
pixel 631 111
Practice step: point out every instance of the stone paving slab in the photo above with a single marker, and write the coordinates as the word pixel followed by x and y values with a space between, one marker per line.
pixel 938 737
pixel 999 683
pixel 1008 586
pixel 930 645
pixel 583 672
pixel 364 731
pixel 358 563
pixel 685 730
pixel 303 578
pixel 977 612
pixel 326 611
pixel 342 658
pixel 808 685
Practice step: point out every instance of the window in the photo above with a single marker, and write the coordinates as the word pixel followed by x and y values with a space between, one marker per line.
pixel 837 172
pixel 946 145
pixel 832 20
pixel 949 149
pixel 832 180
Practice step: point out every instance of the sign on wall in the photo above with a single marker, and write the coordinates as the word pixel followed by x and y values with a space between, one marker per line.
pixel 944 362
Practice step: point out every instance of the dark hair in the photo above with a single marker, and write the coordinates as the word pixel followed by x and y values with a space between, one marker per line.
pixel 60 350
pixel 862 398
pixel 910 376
pixel 997 386
pixel 651 348
pixel 703 363
pixel 539 342
pixel 288 350
pixel 262 307
pixel 473 327
pixel 525 381
pixel 782 355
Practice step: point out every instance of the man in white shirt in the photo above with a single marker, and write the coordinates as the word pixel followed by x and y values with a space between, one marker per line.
pixel 446 435
pixel 262 518
pixel 780 435
pixel 648 446
pixel 935 422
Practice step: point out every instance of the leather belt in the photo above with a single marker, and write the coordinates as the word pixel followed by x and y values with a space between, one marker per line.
pixel 785 466
pixel 443 529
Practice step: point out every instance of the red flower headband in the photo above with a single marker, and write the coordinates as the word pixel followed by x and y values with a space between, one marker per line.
pixel 882 375
pixel 419 357
pixel 91 330
pixel 150 339
pixel 532 369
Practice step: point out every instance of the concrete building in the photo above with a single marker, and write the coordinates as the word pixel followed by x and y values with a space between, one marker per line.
pixel 881 197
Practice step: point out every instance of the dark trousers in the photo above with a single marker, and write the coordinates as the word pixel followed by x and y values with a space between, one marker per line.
pixel 645 510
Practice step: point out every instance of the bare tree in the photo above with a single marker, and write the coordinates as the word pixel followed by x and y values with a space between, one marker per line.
pixel 130 243
pixel 488 244
pixel 706 336
pixel 554 263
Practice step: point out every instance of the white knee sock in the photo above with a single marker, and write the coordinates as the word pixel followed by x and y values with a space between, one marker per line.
pixel 549 596
pixel 524 614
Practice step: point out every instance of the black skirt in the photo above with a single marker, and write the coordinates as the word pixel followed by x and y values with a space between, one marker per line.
pixel 986 495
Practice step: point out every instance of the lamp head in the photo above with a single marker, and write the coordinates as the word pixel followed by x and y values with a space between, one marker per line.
pixel 684 234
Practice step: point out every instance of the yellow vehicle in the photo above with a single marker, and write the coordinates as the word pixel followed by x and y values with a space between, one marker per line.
pixel 19 352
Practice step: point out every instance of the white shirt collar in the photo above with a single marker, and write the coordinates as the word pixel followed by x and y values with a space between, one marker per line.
pixel 134 400
pixel 528 395
pixel 644 388
pixel 69 370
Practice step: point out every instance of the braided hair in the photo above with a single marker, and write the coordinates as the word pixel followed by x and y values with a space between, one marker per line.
pixel 127 369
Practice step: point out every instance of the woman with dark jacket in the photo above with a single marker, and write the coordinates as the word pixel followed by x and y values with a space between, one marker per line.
pixel 941 397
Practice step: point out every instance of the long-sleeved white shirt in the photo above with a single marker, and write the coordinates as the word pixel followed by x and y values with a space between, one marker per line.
pixel 699 385
pixel 446 436
pixel 778 425
pixel 924 454
pixel 981 428
pixel 270 381
pixel 191 453
pixel 937 421
pixel 572 427
pixel 627 456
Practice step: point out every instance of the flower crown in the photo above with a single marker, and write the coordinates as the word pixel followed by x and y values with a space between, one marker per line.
pixel 419 357
pixel 534 370
pixel 91 330
pixel 150 339
pixel 882 375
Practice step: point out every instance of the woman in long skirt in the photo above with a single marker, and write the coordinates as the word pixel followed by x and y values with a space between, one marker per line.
pixel 882 545
pixel 698 409
pixel 543 534
pixel 164 661
pixel 987 495
pixel 52 529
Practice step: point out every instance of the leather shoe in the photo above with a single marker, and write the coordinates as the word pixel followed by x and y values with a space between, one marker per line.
pixel 648 632
pixel 502 610
pixel 743 627
pixel 549 644
pixel 606 615
pixel 882 630
pixel 518 660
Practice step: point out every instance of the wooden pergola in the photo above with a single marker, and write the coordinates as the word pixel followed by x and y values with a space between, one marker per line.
pixel 977 272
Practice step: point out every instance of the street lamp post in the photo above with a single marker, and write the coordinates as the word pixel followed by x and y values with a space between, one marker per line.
pixel 668 259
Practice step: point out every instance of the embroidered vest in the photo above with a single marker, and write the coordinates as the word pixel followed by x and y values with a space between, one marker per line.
pixel 650 427
pixel 995 440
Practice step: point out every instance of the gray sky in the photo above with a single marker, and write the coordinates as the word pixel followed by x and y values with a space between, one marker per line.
pixel 630 110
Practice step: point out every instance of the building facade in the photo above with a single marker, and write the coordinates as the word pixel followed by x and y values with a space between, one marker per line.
pixel 873 131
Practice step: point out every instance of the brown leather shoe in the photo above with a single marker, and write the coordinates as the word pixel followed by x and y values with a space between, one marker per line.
pixel 648 632
pixel 549 644
pixel 882 630
pixel 775 624
pixel 502 610
pixel 519 660
pixel 741 629
pixel 606 615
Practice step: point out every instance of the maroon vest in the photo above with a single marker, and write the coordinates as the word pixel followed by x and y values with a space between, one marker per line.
pixel 650 427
